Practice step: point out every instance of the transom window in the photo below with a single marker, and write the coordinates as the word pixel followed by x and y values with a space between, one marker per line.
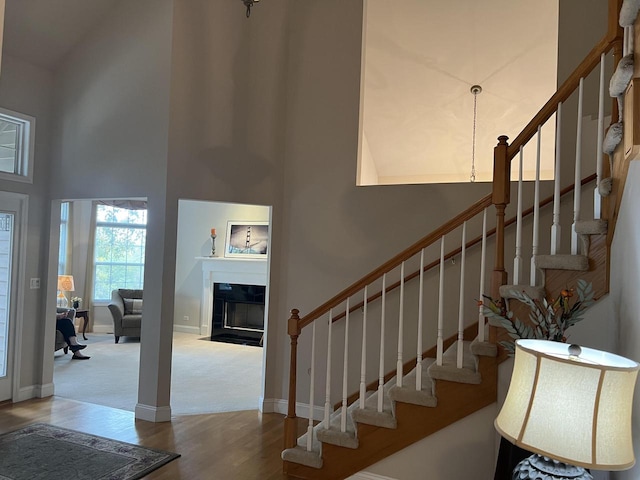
pixel 16 146
pixel 119 250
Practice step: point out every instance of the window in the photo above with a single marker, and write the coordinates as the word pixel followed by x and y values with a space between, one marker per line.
pixel 16 146
pixel 119 250
pixel 64 233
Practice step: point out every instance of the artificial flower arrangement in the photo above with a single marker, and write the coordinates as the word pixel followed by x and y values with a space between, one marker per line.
pixel 549 319
pixel 76 301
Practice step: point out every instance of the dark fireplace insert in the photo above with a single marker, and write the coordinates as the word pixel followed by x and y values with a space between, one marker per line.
pixel 238 313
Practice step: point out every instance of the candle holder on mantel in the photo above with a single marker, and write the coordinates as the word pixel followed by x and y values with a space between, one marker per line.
pixel 213 245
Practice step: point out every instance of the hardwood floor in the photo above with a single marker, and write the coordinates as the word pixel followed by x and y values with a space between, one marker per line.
pixel 235 445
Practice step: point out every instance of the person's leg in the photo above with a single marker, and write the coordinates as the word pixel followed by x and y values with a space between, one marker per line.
pixel 66 327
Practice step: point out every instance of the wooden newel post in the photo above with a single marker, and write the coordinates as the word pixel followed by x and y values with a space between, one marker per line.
pixel 500 198
pixel 291 421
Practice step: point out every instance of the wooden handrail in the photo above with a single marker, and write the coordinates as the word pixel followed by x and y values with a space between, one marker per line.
pixel 525 213
pixel 563 93
pixel 406 254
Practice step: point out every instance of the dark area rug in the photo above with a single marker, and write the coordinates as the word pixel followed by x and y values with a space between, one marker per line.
pixel 45 452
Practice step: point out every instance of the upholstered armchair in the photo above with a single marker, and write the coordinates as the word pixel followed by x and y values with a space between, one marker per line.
pixel 60 343
pixel 126 310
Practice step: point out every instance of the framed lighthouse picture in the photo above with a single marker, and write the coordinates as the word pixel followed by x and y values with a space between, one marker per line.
pixel 247 239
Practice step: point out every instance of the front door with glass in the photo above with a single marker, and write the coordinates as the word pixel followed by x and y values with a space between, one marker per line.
pixel 7 221
pixel 11 211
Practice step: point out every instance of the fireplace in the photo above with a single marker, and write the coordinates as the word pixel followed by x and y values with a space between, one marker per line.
pixel 238 313
pixel 245 279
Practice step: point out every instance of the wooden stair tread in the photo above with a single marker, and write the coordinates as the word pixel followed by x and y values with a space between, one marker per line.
pixel 592 227
pixel 563 262
pixel 449 370
pixel 408 392
pixel 334 434
pixel 371 416
pixel 414 423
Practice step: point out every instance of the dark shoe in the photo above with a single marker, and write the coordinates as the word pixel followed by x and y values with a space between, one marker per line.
pixel 75 348
pixel 76 357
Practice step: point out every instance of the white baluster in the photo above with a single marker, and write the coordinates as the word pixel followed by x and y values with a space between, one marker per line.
pixel 627 43
pixel 555 228
pixel 536 215
pixel 517 261
pixel 577 192
pixel 311 388
pixel 597 199
pixel 327 393
pixel 363 361
pixel 439 345
pixel 400 329
pixel 462 299
pixel 345 365
pixel 482 273
pixel 381 368
pixel 419 347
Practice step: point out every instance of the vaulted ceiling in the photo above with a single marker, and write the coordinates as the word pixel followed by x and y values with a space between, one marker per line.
pixel 42 32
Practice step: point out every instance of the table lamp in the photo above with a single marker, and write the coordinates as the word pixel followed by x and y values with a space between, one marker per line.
pixel 571 406
pixel 65 283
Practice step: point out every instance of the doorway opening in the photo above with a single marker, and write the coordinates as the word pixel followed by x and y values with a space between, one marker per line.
pixel 111 376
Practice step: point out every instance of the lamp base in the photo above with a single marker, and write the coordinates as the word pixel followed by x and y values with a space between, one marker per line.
pixel 539 467
pixel 61 300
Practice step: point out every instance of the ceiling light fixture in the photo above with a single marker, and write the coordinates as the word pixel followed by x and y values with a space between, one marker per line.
pixel 475 90
pixel 249 4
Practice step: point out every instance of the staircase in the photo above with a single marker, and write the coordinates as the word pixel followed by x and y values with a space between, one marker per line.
pixel 376 404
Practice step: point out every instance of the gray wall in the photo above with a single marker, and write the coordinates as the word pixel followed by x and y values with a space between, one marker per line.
pixel 112 105
pixel 27 89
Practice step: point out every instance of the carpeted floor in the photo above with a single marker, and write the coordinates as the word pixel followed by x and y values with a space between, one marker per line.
pixel 41 452
pixel 207 377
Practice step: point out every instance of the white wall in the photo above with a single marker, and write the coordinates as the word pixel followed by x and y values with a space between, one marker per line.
pixel 625 277
pixel 463 450
pixel 195 221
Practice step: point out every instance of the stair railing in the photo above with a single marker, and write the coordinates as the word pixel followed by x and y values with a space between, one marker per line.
pixel 500 198
pixel 358 292
pixel 611 44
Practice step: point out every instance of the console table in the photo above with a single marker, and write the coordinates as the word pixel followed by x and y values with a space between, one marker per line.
pixel 84 314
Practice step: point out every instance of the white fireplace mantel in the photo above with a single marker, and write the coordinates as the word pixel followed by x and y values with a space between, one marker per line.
pixel 250 271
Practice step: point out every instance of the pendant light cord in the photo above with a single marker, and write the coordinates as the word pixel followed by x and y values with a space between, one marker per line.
pixel 475 90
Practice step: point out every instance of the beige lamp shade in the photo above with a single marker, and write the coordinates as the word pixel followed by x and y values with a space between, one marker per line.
pixel 573 407
pixel 65 283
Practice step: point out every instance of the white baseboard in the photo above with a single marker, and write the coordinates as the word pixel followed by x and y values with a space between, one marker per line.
pixel 27 393
pixel 46 390
pixel 34 391
pixel 186 329
pixel 278 405
pixel 368 476
pixel 153 414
